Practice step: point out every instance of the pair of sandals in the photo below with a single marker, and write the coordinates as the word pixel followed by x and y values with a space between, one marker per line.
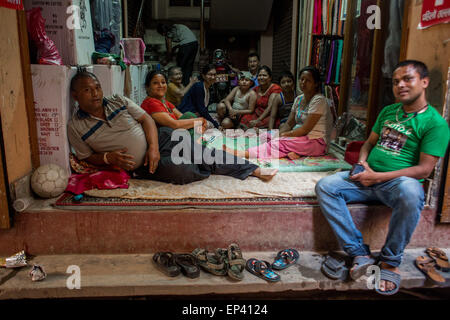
pixel 264 270
pixel 222 262
pixel 428 265
pixel 335 268
pixel 173 264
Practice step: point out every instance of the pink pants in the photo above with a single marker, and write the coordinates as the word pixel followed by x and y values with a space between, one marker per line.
pixel 280 147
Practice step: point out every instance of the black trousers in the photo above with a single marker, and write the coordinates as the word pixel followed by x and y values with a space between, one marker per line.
pixel 185 60
pixel 170 172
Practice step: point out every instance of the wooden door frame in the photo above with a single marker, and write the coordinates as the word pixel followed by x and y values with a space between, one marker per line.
pixel 5 197
pixel 5 221
pixel 28 87
pixel 347 54
pixel 443 179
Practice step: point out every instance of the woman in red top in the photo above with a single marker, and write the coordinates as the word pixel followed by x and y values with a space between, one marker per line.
pixel 266 92
pixel 162 111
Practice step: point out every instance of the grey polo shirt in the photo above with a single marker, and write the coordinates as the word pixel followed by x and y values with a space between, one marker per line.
pixel 181 34
pixel 89 135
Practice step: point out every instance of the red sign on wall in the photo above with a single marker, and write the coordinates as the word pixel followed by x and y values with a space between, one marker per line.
pixel 12 4
pixel 434 12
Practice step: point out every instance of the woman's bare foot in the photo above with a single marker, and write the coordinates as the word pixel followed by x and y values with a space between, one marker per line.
pixel 387 285
pixel 237 153
pixel 265 174
pixel 293 156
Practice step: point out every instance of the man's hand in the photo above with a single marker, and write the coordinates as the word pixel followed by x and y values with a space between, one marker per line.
pixel 253 123
pixel 121 159
pixel 232 113
pixel 152 158
pixel 368 177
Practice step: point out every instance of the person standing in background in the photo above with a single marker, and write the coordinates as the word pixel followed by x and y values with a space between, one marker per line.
pixel 186 43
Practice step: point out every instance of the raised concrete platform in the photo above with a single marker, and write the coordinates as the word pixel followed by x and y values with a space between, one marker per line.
pixel 43 230
pixel 135 275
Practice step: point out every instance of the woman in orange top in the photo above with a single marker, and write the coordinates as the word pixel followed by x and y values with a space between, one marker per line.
pixel 162 111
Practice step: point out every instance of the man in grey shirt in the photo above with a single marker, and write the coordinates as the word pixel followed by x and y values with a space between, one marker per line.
pixel 115 131
pixel 187 45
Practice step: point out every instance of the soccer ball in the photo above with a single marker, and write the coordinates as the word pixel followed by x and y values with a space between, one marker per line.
pixel 49 180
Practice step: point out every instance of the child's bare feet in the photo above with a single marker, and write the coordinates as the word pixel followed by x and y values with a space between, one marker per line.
pixel 293 156
pixel 265 174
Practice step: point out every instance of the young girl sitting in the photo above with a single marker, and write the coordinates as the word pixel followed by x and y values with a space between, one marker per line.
pixel 307 130
pixel 282 103
pixel 241 100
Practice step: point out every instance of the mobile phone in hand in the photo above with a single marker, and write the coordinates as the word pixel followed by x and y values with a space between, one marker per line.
pixel 357 168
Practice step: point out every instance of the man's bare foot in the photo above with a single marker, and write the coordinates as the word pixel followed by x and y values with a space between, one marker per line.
pixel 265 174
pixel 387 285
pixel 293 156
pixel 237 153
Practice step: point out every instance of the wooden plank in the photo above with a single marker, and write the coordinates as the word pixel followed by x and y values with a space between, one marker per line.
pixel 347 56
pixel 375 67
pixel 5 222
pixel 445 215
pixel 405 29
pixel 28 87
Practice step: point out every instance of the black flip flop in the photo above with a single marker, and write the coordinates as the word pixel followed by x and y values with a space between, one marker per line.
pixel 285 258
pixel 165 262
pixel 262 269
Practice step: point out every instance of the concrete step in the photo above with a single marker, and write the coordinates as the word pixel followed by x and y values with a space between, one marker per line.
pixel 43 230
pixel 132 275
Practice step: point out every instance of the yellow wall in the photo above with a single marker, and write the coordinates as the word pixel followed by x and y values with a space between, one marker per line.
pixel 12 99
pixel 432 46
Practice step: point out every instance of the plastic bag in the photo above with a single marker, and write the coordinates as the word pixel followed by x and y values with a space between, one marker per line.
pixel 47 51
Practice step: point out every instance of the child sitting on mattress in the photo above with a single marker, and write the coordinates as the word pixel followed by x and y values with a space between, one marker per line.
pixel 307 130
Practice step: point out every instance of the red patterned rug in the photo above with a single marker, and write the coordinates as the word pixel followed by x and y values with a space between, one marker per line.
pixel 67 201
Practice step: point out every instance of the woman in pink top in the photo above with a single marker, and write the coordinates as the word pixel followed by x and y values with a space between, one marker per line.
pixel 307 130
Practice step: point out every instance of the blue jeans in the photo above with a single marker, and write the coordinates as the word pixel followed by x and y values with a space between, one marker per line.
pixel 404 195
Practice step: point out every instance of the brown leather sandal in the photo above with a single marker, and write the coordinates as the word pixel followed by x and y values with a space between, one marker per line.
pixel 427 266
pixel 188 265
pixel 165 261
pixel 440 257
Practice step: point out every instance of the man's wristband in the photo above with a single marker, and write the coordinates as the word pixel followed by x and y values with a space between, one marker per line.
pixel 105 159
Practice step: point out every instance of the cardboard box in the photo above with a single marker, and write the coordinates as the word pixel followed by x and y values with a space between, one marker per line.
pixel 53 107
pixel 135 89
pixel 68 23
pixel 143 92
pixel 111 77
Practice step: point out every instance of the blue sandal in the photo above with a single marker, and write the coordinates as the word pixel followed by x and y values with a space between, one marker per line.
pixel 334 268
pixel 362 264
pixel 261 268
pixel 390 276
pixel 285 258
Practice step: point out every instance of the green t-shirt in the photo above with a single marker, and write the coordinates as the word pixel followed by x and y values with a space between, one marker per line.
pixel 400 142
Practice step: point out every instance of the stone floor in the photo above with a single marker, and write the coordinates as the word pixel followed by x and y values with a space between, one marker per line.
pixel 134 275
